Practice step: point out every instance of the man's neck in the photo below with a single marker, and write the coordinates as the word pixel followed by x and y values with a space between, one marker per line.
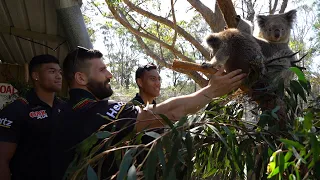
pixel 45 96
pixel 146 98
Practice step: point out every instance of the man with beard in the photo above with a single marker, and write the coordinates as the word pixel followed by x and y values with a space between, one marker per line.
pixel 88 79
pixel 26 124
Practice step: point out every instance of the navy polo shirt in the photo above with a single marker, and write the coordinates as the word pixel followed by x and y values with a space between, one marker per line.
pixel 28 123
pixel 84 116
pixel 140 100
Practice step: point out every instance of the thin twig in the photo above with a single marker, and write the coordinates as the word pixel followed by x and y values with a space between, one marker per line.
pixel 175 24
pixel 289 56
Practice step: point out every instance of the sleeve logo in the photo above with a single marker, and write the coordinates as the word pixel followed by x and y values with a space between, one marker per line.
pixel 38 114
pixel 5 123
pixel 115 109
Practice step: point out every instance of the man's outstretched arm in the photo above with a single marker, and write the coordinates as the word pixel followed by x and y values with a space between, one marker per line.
pixel 177 107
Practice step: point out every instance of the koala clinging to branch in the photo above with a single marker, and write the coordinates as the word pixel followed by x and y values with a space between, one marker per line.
pixel 273 31
pixel 235 50
pixel 273 38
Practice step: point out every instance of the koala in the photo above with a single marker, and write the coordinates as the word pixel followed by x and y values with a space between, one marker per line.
pixel 235 50
pixel 276 28
pixel 273 38
pixel 273 31
pixel 243 25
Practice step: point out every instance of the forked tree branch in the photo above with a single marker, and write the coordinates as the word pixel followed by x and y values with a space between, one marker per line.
pixel 170 24
pixel 273 9
pixel 193 74
pixel 126 24
pixel 283 6
pixel 212 18
pixel 121 18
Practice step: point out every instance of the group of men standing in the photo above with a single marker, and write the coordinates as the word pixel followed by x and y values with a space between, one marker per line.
pixel 39 132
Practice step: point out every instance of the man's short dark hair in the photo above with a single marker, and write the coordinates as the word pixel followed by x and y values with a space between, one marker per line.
pixel 76 61
pixel 141 69
pixel 37 61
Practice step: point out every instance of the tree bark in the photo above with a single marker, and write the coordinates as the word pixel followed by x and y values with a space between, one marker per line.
pixel 229 13
pixel 192 67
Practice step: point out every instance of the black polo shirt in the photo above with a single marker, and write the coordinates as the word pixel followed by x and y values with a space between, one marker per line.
pixel 83 117
pixel 28 123
pixel 140 100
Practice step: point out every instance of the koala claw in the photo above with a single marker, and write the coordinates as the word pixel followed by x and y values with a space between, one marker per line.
pixel 206 65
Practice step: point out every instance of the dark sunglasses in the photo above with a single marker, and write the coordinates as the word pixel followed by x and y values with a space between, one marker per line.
pixel 149 66
pixel 79 48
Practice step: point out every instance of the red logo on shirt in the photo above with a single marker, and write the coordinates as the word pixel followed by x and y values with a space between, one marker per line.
pixel 38 114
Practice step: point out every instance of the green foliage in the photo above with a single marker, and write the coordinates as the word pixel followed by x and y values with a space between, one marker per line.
pixel 218 143
pixel 124 94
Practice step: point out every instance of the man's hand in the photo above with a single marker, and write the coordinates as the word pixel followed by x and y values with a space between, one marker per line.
pixel 221 83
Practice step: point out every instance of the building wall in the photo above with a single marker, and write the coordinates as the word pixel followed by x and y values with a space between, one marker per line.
pixel 9 72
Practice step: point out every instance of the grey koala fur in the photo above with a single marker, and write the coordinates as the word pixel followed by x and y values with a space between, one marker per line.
pixel 244 25
pixel 276 28
pixel 235 50
pixel 273 39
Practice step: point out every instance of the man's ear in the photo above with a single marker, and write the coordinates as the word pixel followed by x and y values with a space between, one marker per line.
pixel 35 76
pixel 139 82
pixel 81 78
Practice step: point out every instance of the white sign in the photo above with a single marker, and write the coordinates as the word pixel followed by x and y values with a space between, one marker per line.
pixel 7 94
pixel 7 89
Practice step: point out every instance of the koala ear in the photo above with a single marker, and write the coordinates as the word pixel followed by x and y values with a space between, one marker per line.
pixel 213 41
pixel 290 16
pixel 238 18
pixel 262 20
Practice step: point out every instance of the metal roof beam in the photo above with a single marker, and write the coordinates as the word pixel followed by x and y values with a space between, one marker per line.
pixel 30 34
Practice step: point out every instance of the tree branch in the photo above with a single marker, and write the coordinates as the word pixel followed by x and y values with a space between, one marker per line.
pixel 126 24
pixel 273 9
pixel 228 12
pixel 283 6
pixel 215 20
pixel 194 75
pixel 175 24
pixel 170 24
pixel 251 12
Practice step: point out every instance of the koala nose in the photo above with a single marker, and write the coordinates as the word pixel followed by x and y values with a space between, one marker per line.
pixel 277 33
